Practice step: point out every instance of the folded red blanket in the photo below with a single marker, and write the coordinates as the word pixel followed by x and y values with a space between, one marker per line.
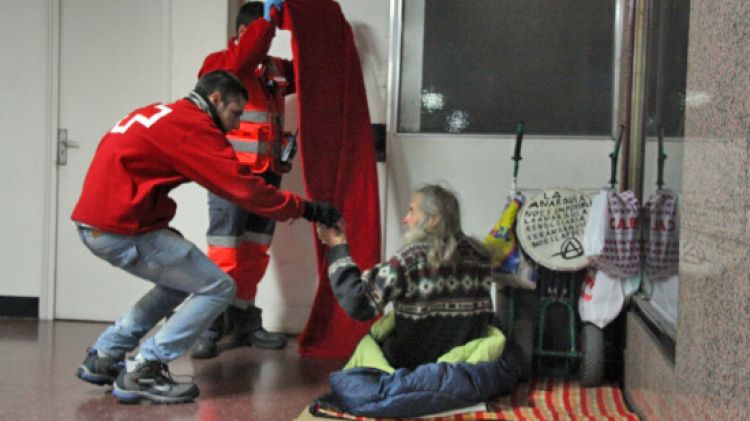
pixel 338 157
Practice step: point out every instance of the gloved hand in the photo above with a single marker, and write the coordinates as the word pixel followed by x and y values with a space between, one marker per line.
pixel 321 212
pixel 270 4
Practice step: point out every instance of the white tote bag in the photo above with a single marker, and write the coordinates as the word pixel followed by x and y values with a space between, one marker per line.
pixel 601 298
pixel 596 225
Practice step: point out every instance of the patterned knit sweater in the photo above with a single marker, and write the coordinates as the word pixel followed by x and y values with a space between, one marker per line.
pixel 436 308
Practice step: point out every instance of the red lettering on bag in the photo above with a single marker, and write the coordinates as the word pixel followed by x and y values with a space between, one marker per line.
pixel 661 226
pixel 623 224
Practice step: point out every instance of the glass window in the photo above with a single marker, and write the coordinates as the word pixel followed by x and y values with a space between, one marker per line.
pixel 667 67
pixel 665 106
pixel 481 66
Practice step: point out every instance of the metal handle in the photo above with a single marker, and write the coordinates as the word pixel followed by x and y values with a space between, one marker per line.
pixel 613 157
pixel 661 158
pixel 62 146
pixel 517 156
pixel 519 138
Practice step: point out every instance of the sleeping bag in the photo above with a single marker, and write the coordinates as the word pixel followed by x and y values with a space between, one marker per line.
pixel 472 373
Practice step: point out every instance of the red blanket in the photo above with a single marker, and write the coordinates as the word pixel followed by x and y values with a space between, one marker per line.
pixel 338 157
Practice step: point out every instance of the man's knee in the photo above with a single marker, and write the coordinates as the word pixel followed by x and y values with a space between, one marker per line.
pixel 226 288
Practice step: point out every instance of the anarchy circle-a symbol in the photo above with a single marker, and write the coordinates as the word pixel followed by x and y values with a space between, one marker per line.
pixel 570 249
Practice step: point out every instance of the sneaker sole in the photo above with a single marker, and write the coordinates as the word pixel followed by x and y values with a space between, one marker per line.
pixel 84 374
pixel 132 396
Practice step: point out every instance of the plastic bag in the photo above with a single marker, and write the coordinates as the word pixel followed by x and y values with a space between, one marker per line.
pixel 525 276
pixel 663 242
pixel 509 265
pixel 501 240
pixel 621 255
pixel 631 285
pixel 601 298
pixel 596 225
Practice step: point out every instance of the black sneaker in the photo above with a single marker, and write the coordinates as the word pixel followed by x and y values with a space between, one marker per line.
pixel 99 370
pixel 151 380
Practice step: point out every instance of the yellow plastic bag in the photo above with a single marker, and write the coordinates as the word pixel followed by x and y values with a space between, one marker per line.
pixel 509 265
pixel 501 240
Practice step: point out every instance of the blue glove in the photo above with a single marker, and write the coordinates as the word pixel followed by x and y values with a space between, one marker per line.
pixel 268 5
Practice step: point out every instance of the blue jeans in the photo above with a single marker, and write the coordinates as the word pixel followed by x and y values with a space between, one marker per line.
pixel 178 269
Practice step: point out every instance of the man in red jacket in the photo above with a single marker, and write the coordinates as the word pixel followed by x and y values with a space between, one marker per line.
pixel 123 217
pixel 238 240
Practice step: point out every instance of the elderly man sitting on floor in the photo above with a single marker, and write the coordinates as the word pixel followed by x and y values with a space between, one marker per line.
pixel 437 349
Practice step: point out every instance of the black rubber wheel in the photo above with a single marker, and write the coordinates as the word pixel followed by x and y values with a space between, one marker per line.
pixel 592 363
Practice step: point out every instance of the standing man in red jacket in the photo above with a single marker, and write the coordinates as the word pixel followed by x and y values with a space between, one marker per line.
pixel 238 240
pixel 123 217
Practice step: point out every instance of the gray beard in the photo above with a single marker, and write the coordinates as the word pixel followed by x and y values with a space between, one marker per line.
pixel 412 236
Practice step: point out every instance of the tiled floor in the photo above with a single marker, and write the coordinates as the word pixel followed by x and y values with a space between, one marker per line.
pixel 38 361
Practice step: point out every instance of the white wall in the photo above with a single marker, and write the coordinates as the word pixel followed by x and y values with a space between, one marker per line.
pixel 24 114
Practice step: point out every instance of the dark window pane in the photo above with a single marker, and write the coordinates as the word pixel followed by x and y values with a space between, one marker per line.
pixel 667 67
pixel 487 64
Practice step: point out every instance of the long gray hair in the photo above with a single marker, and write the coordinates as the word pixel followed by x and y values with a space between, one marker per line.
pixel 442 204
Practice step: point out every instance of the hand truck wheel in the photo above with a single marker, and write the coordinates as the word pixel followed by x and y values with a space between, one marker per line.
pixel 592 361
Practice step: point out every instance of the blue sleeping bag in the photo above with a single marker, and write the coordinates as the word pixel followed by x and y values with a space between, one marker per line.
pixel 368 386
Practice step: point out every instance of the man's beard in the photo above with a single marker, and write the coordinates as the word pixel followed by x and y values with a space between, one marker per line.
pixel 413 235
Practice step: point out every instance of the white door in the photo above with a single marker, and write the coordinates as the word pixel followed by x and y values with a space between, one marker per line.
pixel 114 57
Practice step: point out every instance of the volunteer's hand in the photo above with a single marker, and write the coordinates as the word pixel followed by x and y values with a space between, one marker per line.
pixel 321 212
pixel 271 4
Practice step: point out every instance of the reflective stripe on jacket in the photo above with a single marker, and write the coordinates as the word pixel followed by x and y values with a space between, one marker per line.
pixel 259 139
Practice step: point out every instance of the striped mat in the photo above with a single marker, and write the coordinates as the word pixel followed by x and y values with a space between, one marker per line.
pixel 541 399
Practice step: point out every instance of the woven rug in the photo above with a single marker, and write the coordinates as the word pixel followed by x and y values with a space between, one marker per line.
pixel 541 399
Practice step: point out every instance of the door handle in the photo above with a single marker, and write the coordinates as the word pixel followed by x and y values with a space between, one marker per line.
pixel 62 146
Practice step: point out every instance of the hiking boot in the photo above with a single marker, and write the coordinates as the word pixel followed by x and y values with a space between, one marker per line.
pixel 99 370
pixel 247 329
pixel 264 339
pixel 151 380
pixel 205 346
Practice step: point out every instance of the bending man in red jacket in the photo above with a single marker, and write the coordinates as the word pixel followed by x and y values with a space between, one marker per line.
pixel 123 215
pixel 238 240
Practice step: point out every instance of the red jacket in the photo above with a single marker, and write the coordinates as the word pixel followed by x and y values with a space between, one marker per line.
pixel 155 149
pixel 243 55
pixel 258 141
